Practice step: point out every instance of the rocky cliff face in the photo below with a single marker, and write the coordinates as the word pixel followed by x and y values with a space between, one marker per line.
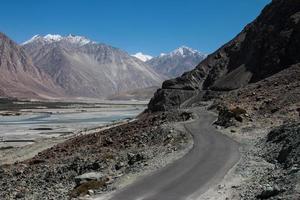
pixel 84 68
pixel 19 77
pixel 265 47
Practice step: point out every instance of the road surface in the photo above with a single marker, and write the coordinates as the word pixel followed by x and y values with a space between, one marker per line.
pixel 212 155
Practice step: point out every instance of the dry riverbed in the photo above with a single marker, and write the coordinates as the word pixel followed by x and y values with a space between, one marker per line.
pixel 10 154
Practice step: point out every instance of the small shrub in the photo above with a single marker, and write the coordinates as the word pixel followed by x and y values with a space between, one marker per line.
pixel 108 156
pixel 238 111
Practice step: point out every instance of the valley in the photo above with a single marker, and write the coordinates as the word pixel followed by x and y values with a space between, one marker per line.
pixel 27 123
pixel 85 120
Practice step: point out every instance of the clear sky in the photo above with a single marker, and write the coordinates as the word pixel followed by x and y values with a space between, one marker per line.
pixel 149 26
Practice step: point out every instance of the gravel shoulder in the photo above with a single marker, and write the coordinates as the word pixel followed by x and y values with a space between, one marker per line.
pixel 268 168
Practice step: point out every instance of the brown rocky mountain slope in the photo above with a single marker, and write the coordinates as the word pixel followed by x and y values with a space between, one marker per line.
pixel 19 77
pixel 265 47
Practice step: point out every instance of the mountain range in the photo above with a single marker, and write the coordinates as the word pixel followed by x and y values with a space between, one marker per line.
pixel 84 68
pixel 175 63
pixel 55 66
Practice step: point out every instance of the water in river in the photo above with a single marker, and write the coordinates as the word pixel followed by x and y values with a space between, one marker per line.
pixel 39 123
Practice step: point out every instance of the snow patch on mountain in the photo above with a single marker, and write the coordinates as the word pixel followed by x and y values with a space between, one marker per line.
pixel 31 39
pixel 142 57
pixel 78 39
pixel 53 38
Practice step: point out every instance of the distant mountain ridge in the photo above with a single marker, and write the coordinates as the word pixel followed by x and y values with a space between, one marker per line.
pixel 84 68
pixel 176 62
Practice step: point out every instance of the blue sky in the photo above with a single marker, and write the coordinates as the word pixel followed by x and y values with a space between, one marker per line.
pixel 149 26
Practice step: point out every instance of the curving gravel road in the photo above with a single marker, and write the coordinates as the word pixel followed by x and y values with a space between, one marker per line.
pixel 212 155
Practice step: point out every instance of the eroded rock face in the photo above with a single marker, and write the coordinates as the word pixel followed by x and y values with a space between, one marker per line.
pixel 265 47
pixel 165 99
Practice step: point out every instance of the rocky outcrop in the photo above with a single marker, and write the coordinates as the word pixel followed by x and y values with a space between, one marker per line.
pixel 265 47
pixel 175 91
pixel 166 98
pixel 227 116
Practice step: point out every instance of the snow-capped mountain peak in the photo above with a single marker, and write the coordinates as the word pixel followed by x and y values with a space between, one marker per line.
pixel 183 51
pixel 142 56
pixel 50 38
pixel 176 62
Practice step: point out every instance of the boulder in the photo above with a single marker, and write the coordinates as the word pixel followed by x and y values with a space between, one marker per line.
pixel 133 158
pixel 269 191
pixel 97 176
pixel 119 165
pixel 20 195
pixel 226 116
